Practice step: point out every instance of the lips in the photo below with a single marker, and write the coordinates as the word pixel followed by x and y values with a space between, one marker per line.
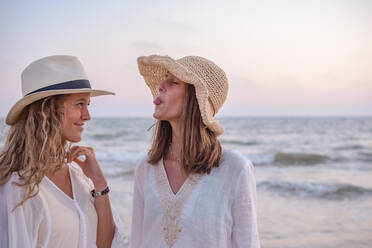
pixel 79 125
pixel 157 101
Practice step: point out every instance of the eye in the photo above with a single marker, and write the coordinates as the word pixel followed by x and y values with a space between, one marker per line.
pixel 175 83
pixel 80 104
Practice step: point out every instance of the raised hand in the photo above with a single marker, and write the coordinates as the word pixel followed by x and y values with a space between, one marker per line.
pixel 90 165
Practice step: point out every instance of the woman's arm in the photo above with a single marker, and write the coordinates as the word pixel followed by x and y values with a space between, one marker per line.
pixel 91 168
pixel 106 226
pixel 245 230
pixel 27 225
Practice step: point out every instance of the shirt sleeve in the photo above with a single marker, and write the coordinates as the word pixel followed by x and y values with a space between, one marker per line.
pixel 24 226
pixel 138 207
pixel 245 230
pixel 119 239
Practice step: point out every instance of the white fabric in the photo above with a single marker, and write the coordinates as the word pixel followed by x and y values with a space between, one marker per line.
pixel 51 218
pixel 64 216
pixel 219 212
pixel 51 70
pixel 47 72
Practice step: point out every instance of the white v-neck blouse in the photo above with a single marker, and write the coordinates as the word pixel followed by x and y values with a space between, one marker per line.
pixel 215 210
pixel 52 219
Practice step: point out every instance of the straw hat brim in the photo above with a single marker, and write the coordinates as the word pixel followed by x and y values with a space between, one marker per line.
pixel 18 107
pixel 154 69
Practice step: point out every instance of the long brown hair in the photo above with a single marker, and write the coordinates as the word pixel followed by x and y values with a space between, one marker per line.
pixel 34 146
pixel 201 150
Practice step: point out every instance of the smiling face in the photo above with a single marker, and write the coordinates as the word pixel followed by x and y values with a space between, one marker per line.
pixel 76 113
pixel 170 101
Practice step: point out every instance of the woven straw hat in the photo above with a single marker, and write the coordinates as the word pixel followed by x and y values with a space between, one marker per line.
pixel 209 80
pixel 53 75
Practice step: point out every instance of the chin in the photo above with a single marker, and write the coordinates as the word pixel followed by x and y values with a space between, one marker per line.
pixel 157 116
pixel 161 118
pixel 75 139
pixel 166 117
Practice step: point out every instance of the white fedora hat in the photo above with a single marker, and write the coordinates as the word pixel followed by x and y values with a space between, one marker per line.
pixel 53 75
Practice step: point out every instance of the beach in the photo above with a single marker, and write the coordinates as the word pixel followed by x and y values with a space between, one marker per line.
pixel 314 174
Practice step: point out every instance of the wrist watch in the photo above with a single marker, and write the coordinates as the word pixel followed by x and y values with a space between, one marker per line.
pixel 99 193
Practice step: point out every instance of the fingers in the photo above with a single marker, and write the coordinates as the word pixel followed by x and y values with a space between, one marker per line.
pixel 79 162
pixel 77 151
pixel 89 165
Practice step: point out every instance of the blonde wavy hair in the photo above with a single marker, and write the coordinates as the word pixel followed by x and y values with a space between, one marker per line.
pixel 34 146
pixel 201 150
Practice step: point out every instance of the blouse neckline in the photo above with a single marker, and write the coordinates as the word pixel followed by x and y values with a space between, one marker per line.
pixel 165 177
pixel 59 191
pixel 173 203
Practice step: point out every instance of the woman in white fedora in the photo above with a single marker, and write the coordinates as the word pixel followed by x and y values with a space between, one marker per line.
pixel 51 196
pixel 188 191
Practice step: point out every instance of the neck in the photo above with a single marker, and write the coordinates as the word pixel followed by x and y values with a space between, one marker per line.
pixel 63 171
pixel 176 139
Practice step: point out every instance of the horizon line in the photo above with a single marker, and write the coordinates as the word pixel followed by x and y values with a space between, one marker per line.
pixel 239 116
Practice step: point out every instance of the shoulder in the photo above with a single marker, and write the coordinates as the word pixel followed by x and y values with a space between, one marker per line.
pixel 233 165
pixel 12 193
pixel 27 221
pixel 142 164
pixel 11 188
pixel 143 169
pixel 235 160
pixel 14 185
pixel 241 169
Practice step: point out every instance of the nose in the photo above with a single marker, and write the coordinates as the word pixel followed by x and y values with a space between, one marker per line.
pixel 162 86
pixel 85 114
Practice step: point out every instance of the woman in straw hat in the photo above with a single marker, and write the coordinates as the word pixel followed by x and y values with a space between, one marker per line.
pixel 50 196
pixel 188 191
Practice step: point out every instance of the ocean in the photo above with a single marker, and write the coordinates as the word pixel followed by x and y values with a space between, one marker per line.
pixel 314 174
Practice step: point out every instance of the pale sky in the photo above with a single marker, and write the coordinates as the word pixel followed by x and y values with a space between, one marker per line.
pixel 291 58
